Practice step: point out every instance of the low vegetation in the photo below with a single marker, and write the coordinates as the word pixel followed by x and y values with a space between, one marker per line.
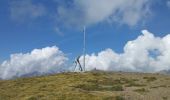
pixel 150 79
pixel 87 86
pixel 165 98
pixel 141 90
pixel 120 98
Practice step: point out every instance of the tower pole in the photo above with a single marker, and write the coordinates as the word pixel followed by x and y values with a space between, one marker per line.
pixel 84 49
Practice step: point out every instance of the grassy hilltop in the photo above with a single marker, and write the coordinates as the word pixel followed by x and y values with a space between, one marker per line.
pixel 88 86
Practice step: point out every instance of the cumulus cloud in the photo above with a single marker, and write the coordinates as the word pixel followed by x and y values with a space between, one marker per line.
pixel 89 12
pixel 147 53
pixel 26 9
pixel 39 61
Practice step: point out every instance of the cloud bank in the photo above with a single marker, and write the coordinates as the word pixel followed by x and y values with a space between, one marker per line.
pixel 147 53
pixel 89 12
pixel 37 62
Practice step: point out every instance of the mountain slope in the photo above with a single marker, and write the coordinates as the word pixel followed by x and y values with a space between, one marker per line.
pixel 88 86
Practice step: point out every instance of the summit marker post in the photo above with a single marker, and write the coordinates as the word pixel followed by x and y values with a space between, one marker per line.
pixel 84 49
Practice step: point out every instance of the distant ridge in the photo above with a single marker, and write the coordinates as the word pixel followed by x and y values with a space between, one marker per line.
pixel 164 72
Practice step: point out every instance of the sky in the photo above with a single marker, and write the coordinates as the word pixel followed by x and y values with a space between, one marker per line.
pixel 43 35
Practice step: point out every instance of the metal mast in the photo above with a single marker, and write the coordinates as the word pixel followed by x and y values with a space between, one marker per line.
pixel 84 49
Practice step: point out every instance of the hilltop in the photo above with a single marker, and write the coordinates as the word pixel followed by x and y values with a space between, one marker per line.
pixel 95 85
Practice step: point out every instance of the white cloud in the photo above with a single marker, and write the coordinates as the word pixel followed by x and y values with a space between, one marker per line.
pixel 39 61
pixel 168 4
pixel 89 12
pixel 147 53
pixel 24 9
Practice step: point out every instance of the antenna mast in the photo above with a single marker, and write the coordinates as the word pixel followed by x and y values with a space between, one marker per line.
pixel 84 49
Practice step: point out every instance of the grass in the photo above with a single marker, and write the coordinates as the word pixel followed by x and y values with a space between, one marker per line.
pixel 132 84
pixel 97 86
pixel 164 98
pixel 162 86
pixel 150 79
pixel 119 98
pixel 141 90
pixel 82 86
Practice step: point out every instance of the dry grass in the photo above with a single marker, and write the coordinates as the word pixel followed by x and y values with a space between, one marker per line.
pixel 88 86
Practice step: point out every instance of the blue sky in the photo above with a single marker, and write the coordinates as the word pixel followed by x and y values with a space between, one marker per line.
pixel 23 32
pixel 45 36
